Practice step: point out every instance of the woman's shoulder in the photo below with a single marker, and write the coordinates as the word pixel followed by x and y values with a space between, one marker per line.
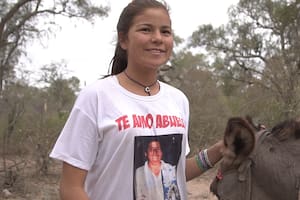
pixel 94 89
pixel 98 85
pixel 173 91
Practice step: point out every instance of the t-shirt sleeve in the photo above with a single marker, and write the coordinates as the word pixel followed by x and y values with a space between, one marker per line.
pixel 78 142
pixel 186 110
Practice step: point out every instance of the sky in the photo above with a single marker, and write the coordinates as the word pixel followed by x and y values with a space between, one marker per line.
pixel 88 49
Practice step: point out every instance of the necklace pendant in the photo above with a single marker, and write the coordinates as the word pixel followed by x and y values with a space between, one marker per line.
pixel 147 89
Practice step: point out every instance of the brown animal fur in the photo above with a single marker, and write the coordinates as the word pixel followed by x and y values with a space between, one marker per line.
pixel 239 141
pixel 259 167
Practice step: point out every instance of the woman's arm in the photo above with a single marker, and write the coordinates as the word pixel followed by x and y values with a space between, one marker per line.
pixel 214 153
pixel 72 183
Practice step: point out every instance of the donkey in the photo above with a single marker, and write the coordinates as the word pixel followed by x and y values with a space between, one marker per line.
pixel 259 164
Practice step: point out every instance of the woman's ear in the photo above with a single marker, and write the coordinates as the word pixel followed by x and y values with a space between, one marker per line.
pixel 122 40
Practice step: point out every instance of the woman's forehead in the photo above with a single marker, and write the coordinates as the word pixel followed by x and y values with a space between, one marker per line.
pixel 154 144
pixel 157 16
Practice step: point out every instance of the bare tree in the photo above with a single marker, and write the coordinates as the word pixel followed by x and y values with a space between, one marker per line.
pixel 259 46
pixel 19 24
pixel 22 21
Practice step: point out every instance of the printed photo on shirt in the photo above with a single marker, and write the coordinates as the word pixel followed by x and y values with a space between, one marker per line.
pixel 155 167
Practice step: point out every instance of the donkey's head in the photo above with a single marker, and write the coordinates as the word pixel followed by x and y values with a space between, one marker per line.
pixel 254 158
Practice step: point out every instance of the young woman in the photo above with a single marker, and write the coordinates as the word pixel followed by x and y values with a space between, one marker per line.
pixel 100 141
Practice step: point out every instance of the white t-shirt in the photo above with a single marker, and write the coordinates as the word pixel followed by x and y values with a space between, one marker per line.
pixel 162 186
pixel 100 133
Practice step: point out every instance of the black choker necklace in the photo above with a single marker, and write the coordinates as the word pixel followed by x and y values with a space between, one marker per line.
pixel 146 88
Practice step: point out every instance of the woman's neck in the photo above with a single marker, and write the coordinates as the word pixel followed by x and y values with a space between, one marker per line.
pixel 139 84
pixel 155 168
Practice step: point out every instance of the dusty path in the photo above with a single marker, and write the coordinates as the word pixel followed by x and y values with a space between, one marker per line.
pixel 46 188
pixel 198 189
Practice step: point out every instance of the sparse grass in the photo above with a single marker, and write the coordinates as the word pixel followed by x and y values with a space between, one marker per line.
pixel 40 187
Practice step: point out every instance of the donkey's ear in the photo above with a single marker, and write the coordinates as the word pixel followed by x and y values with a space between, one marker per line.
pixel 286 129
pixel 239 137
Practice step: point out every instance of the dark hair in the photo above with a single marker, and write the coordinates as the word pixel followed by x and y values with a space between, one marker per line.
pixel 119 61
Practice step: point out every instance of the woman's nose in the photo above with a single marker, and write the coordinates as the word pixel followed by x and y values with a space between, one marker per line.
pixel 156 36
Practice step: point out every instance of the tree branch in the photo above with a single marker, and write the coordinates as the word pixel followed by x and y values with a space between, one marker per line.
pixel 10 14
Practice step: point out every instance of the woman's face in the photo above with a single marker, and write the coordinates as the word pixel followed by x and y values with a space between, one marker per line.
pixel 154 152
pixel 149 41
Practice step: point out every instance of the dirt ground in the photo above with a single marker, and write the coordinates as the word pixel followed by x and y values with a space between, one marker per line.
pixel 46 188
pixel 198 188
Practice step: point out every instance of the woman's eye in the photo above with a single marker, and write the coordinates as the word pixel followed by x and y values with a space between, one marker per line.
pixel 166 32
pixel 145 30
